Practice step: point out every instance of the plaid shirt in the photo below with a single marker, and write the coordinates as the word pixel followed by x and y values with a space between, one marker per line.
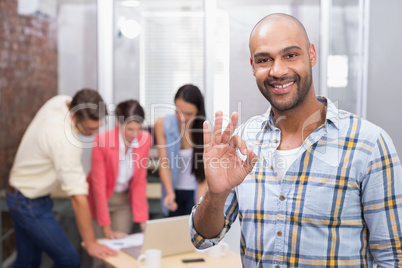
pixel 339 203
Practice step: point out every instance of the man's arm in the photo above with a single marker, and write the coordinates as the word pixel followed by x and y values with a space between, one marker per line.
pixel 201 188
pixel 381 200
pixel 224 170
pixel 83 218
pixel 208 218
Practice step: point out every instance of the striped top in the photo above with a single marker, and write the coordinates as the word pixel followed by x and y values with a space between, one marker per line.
pixel 339 203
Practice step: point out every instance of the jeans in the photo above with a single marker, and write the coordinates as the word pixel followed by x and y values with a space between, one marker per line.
pixel 37 230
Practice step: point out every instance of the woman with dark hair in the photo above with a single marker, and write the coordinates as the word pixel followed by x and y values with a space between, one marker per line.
pixel 117 180
pixel 179 138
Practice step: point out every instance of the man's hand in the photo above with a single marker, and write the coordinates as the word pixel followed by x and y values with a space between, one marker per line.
pixel 224 169
pixel 83 218
pixel 100 251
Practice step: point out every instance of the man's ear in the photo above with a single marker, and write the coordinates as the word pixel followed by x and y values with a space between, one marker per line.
pixel 252 65
pixel 313 55
pixel 73 117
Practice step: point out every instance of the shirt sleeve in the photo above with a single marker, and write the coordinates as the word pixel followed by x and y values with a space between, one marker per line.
pixel 382 202
pixel 230 214
pixel 98 182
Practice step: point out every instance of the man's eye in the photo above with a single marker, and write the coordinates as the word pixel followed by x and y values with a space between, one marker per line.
pixel 291 55
pixel 263 60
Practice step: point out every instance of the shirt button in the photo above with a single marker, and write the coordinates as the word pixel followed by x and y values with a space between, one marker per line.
pixel 279 233
pixel 275 140
pixel 271 167
pixel 281 198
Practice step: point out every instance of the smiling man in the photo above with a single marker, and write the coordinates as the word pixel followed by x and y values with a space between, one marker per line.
pixel 316 186
pixel 47 157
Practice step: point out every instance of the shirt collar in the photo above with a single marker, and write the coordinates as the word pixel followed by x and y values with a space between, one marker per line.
pixel 332 114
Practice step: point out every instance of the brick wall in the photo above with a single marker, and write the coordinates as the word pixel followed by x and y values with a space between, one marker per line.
pixel 28 75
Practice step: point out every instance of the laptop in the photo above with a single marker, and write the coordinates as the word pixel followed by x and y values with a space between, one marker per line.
pixel 170 235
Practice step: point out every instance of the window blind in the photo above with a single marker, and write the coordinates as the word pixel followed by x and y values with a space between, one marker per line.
pixel 171 55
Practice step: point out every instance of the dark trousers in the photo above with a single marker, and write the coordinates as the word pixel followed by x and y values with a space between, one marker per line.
pixel 185 203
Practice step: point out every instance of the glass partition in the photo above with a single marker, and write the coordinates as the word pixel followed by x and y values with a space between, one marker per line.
pixel 160 45
pixel 346 77
pixel 163 49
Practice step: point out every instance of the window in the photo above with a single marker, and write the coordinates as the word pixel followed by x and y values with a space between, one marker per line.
pixel 171 55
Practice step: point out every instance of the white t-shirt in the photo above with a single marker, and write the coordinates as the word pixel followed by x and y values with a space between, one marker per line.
pixel 283 160
pixel 185 179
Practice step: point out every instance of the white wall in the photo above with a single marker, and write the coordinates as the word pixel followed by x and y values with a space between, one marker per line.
pixel 77 50
pixel 126 60
pixel 77 47
pixel 384 106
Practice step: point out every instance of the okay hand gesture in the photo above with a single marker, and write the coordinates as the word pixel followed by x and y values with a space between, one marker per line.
pixel 224 169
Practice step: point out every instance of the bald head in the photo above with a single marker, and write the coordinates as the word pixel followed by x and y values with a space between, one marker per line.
pixel 282 20
pixel 281 58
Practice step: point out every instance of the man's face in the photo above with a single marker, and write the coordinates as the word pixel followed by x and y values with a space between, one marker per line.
pixel 281 59
pixel 88 127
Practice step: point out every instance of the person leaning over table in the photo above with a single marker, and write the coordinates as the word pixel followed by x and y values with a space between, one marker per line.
pixel 179 140
pixel 335 197
pixel 118 177
pixel 50 155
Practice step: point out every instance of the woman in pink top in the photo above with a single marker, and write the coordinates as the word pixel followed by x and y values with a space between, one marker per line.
pixel 117 181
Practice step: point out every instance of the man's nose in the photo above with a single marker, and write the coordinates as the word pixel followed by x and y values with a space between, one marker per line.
pixel 278 69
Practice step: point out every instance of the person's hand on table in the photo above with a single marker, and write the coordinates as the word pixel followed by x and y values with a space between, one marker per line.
pixel 142 226
pixel 100 251
pixel 110 234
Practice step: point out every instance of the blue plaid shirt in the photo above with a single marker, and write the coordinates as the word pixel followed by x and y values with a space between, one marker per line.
pixel 339 203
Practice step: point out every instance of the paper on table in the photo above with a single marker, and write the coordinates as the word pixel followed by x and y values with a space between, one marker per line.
pixel 126 242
